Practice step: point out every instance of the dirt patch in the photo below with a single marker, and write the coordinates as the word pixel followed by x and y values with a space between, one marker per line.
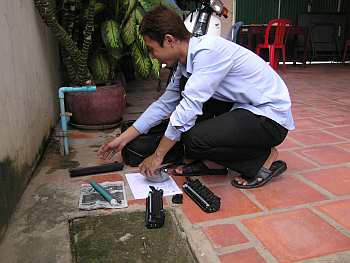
pixel 124 238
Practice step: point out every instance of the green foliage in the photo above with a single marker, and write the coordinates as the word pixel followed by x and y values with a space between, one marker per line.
pixel 95 34
pixel 111 35
pixel 129 31
pixel 143 63
pixel 100 67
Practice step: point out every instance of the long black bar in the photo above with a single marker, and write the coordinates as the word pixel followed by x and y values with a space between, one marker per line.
pixel 104 168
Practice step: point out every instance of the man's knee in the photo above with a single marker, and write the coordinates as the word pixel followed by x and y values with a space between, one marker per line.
pixel 193 142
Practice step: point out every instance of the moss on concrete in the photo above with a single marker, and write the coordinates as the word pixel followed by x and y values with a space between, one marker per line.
pixel 13 181
pixel 124 238
pixel 10 183
pixel 56 162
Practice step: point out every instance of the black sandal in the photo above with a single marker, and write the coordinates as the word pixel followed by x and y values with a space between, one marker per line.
pixel 198 168
pixel 264 176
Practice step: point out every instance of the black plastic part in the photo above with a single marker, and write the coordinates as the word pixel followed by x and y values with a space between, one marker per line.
pixel 177 199
pixel 104 168
pixel 154 215
pixel 201 195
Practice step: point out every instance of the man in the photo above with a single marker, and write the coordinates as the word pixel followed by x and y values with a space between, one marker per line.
pixel 232 112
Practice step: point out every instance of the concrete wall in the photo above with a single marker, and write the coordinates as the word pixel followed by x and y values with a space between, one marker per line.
pixel 29 75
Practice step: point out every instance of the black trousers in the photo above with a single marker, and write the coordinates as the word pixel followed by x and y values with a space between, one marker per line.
pixel 238 139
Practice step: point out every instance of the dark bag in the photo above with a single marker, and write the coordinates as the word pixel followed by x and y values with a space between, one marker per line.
pixel 145 145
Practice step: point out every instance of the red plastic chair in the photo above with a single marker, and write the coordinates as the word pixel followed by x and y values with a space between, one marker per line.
pixel 279 42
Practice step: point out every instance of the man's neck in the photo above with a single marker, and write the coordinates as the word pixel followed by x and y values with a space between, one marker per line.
pixel 183 51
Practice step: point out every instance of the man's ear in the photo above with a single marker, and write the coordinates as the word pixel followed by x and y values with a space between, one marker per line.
pixel 169 40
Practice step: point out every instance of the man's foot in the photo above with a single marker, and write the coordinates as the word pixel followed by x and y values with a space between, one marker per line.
pixel 200 167
pixel 264 175
pixel 272 157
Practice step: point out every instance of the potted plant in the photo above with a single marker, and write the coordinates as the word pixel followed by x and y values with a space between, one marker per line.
pixel 94 37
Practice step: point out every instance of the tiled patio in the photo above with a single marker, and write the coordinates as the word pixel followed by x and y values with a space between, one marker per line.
pixel 303 216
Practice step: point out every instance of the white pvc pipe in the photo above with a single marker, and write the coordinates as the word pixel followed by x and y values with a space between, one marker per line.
pixel 64 128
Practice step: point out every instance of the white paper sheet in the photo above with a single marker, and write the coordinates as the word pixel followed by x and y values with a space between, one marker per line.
pixel 139 186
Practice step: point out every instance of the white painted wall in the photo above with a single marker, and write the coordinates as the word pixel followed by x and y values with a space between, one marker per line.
pixel 29 75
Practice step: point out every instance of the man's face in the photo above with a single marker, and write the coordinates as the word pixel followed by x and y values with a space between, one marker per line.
pixel 166 54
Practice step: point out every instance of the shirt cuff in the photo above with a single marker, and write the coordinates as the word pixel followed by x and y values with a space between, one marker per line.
pixel 172 133
pixel 141 126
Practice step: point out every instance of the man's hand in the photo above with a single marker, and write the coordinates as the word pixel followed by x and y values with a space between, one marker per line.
pixel 108 150
pixel 153 162
pixel 150 164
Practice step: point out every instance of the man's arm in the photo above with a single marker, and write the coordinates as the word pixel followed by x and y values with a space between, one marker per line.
pixel 162 108
pixel 108 150
pixel 209 69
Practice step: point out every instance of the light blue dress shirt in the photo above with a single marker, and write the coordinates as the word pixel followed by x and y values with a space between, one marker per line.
pixel 219 69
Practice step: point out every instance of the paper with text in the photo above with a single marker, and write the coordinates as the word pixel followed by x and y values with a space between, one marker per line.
pixel 139 186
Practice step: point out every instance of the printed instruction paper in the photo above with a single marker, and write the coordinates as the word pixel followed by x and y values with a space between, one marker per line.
pixel 139 186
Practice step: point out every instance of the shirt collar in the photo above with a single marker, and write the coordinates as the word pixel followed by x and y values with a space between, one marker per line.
pixel 191 47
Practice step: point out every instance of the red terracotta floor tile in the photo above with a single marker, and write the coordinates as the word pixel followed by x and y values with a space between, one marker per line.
pixel 343 100
pixel 249 255
pixel 294 162
pixel 179 180
pixel 339 211
pixel 224 235
pixel 233 203
pixel 343 131
pixel 286 191
pixel 288 143
pixel 207 179
pixel 74 134
pixel 297 235
pixel 302 113
pixel 216 179
pixel 312 137
pixel 340 119
pixel 334 180
pixel 345 146
pixel 327 155
pixel 310 123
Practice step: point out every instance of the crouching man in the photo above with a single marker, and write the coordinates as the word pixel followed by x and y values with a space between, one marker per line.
pixel 231 113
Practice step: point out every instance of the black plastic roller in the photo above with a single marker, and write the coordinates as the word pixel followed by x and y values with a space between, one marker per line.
pixel 104 168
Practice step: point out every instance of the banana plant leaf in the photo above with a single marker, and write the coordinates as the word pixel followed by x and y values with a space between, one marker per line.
pixel 156 67
pixel 100 67
pixel 141 42
pixel 138 13
pixel 129 31
pixel 117 53
pixel 143 63
pixel 110 33
pixel 99 7
pixel 131 5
